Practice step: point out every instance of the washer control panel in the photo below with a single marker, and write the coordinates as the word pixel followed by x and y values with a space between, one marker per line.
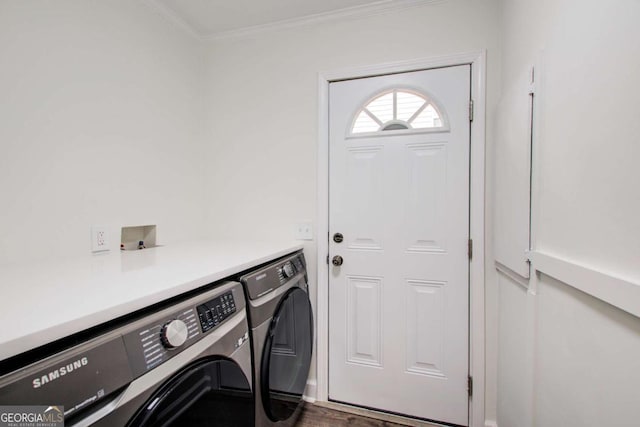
pixel 213 312
pixel 159 339
pixel 174 330
pixel 174 333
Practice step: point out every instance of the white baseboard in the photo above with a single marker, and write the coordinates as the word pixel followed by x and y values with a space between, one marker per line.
pixel 490 423
pixel 310 391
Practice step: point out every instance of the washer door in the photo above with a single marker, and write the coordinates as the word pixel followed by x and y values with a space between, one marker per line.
pixel 211 392
pixel 287 355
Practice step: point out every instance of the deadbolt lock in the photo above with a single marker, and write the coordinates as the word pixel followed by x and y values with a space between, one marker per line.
pixel 338 237
pixel 337 260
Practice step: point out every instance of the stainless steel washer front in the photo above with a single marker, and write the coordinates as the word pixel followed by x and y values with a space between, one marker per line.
pixel 187 364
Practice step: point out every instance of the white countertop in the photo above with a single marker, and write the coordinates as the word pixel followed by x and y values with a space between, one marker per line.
pixel 40 303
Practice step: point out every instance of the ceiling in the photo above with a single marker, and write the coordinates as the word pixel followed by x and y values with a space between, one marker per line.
pixel 220 18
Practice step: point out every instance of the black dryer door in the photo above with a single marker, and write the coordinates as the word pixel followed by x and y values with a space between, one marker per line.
pixel 286 357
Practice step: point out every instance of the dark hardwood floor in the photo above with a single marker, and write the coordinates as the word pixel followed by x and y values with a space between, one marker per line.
pixel 316 416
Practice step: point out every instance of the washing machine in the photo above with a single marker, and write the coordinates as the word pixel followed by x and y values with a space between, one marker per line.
pixel 184 362
pixel 281 325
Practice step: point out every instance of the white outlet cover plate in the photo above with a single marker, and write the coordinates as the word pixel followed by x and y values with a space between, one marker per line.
pixel 99 239
pixel 304 230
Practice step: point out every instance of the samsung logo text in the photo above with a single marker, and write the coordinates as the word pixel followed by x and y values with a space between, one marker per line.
pixel 60 372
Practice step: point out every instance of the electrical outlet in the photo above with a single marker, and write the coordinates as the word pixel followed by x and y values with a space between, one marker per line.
pixel 304 230
pixel 99 239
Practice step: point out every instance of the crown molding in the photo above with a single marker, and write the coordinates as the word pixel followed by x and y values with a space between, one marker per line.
pixel 376 8
pixel 371 9
pixel 172 17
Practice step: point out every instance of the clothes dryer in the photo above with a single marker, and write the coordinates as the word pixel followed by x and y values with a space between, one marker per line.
pixel 281 324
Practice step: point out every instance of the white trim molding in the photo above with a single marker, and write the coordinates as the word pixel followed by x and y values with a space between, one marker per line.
pixel 172 17
pixel 515 277
pixel 477 60
pixel 310 391
pixel 621 293
pixel 375 8
pixel 354 12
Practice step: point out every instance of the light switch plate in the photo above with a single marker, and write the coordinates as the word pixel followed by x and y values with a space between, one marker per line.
pixel 99 239
pixel 304 230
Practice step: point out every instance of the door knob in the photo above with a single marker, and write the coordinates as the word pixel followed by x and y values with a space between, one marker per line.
pixel 338 237
pixel 337 260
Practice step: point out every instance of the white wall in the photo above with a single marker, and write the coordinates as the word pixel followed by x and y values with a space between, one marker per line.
pixel 264 101
pixel 101 118
pixel 589 203
pixel 587 360
pixel 567 358
pixel 515 353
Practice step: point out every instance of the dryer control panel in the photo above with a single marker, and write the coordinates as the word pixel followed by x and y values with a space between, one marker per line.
pixel 269 278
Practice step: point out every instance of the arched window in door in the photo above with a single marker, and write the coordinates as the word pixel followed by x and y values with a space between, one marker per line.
pixel 399 110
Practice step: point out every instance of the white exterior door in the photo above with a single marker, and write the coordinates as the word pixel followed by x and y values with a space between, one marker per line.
pixel 399 195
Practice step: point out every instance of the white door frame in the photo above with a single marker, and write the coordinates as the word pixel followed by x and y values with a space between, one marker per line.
pixel 477 59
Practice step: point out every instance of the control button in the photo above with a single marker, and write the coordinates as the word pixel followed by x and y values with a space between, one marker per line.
pixel 174 333
pixel 287 270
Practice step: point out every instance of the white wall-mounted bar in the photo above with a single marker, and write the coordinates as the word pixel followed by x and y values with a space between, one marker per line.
pixel 618 292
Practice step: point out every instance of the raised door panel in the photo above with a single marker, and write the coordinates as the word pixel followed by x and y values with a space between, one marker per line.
pixel 363 185
pixel 426 327
pixel 425 211
pixel 364 323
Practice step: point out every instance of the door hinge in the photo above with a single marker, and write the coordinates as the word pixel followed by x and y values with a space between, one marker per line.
pixel 327 259
pixel 470 248
pixel 470 385
pixel 471 110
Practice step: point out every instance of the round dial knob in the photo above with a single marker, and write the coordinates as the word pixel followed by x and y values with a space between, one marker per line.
pixel 174 333
pixel 287 270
